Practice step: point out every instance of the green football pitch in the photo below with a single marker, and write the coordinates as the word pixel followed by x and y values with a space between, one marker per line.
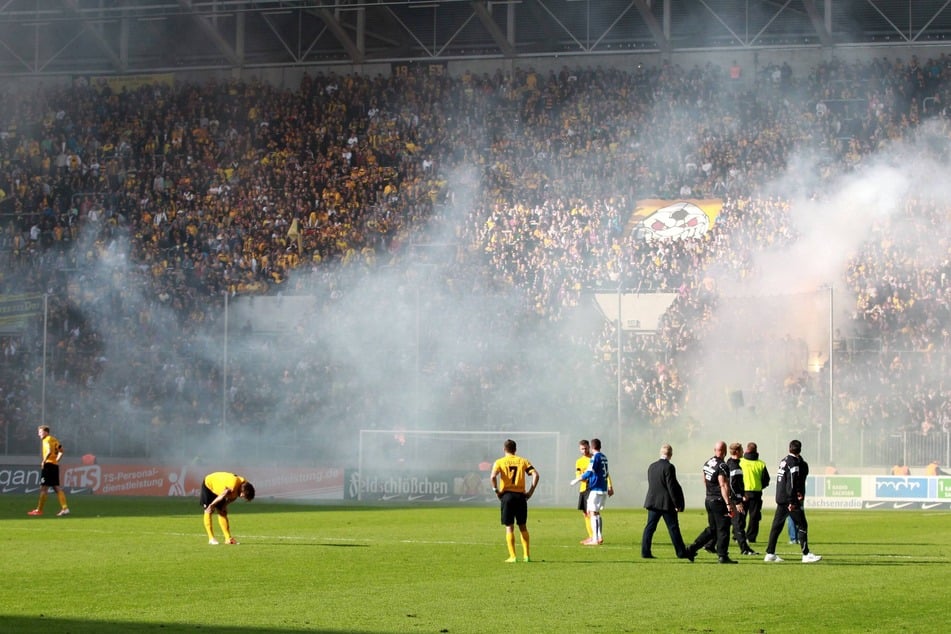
pixel 144 565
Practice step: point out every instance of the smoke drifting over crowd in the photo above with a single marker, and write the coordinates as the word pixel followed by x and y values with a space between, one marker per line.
pixel 479 315
pixel 798 295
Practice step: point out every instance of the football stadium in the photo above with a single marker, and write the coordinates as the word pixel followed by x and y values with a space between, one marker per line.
pixel 280 280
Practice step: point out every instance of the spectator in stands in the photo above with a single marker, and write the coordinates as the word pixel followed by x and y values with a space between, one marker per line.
pixel 934 469
pixel 900 469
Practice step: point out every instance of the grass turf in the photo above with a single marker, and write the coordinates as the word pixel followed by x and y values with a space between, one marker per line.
pixel 144 565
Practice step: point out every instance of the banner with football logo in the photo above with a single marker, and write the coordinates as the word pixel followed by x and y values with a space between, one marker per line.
pixel 673 219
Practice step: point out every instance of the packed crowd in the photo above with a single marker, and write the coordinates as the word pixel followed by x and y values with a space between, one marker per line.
pixel 238 188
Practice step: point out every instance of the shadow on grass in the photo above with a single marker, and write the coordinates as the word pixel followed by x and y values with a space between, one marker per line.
pixel 321 544
pixel 18 624
pixel 15 506
pixel 917 563
pixel 888 546
pixel 788 560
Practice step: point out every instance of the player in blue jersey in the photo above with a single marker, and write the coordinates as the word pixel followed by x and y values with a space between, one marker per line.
pixel 599 489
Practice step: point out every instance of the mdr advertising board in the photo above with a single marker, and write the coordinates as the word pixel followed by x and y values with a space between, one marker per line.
pixel 879 492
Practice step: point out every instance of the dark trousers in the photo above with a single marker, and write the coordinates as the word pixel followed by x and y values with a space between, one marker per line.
pixel 739 530
pixel 718 527
pixel 798 516
pixel 754 513
pixel 673 529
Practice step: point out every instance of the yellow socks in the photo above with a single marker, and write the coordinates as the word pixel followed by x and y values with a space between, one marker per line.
pixel 225 527
pixel 525 549
pixel 510 543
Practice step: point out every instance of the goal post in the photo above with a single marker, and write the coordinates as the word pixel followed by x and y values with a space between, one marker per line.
pixel 396 465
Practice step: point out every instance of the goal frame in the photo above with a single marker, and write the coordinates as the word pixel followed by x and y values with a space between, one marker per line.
pixel 549 464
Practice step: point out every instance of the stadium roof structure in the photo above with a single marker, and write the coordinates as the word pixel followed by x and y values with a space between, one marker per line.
pixel 110 37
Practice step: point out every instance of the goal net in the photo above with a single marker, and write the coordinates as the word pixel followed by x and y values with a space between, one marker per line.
pixel 446 466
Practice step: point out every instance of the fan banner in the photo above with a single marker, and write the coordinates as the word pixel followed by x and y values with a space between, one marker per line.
pixel 674 219
pixel 154 480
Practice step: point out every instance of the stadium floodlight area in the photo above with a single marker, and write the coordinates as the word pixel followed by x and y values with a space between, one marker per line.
pixel 446 466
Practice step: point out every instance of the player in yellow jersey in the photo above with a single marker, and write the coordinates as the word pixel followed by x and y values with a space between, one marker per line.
pixel 218 490
pixel 581 465
pixel 51 452
pixel 508 481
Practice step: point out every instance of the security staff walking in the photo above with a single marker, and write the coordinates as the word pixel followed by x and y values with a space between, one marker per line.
pixel 755 479
pixel 738 493
pixel 790 494
pixel 719 505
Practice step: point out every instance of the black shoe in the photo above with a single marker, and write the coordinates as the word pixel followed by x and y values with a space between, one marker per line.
pixel 726 560
pixel 750 551
pixel 691 552
pixel 648 557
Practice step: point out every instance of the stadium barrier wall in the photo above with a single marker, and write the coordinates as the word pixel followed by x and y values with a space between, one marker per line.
pixel 449 487
pixel 174 480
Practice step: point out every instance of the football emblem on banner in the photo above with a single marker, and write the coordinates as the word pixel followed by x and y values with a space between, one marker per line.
pixel 673 222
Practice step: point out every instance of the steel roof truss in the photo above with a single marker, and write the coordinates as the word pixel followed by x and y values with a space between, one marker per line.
pixel 716 16
pixel 13 53
pixel 40 68
pixel 411 33
pixel 212 32
pixel 770 21
pixel 934 17
pixel 554 17
pixel 663 43
pixel 356 55
pixel 73 8
pixel 818 23
pixel 897 29
pixel 480 10
pixel 295 55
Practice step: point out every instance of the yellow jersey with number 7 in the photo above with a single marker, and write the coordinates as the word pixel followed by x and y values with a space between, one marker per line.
pixel 512 472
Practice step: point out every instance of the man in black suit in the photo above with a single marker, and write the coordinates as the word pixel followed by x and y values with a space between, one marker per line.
pixel 665 498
